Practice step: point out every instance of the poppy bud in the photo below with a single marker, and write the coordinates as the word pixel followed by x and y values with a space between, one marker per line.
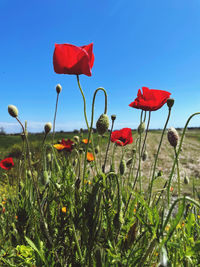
pixel 45 178
pixel 122 167
pixel 186 180
pixel 144 155
pixel 173 137
pixel 13 111
pixel 58 88
pixel 129 162
pixel 47 127
pixel 141 128
pixel 113 117
pixel 80 150
pixel 96 149
pixel 102 124
pixel 170 102
pixel 49 157
pixel 76 138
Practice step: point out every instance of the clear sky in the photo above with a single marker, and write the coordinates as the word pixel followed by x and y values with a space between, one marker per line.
pixel 153 43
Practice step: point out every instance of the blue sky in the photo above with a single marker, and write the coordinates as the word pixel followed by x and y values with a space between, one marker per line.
pixel 136 43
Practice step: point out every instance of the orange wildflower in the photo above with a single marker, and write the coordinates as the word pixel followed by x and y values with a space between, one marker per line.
pixel 65 144
pixel 64 209
pixel 85 141
pixel 90 156
pixel 171 189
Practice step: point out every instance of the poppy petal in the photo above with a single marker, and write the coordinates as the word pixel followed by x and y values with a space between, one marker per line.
pixel 71 59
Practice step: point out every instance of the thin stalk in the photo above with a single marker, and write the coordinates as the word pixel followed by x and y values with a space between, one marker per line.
pixel 77 244
pixel 178 152
pixel 138 169
pixel 90 132
pixel 84 101
pixel 178 173
pixel 156 158
pixel 54 121
pixel 104 165
pixel 37 192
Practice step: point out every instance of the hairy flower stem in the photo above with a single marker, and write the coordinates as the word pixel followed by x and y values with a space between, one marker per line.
pixel 49 239
pixel 84 101
pixel 178 173
pixel 104 165
pixel 90 132
pixel 177 155
pixel 54 121
pixel 156 158
pixel 140 155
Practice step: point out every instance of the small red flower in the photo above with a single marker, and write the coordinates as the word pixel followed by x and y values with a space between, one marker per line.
pixel 71 59
pixel 150 99
pixel 122 137
pixel 7 163
pixel 67 145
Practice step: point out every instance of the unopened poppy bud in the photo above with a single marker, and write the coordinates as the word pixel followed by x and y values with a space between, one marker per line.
pixel 129 162
pixel 58 88
pixel 141 128
pixel 173 137
pixel 170 102
pixel 76 138
pixel 102 124
pixel 144 155
pixel 96 149
pixel 47 127
pixel 45 178
pixel 122 167
pixel 80 150
pixel 113 117
pixel 29 175
pixel 186 180
pixel 49 157
pixel 13 111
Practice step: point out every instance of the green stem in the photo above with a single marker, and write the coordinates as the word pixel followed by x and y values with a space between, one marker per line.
pixel 178 173
pixel 104 165
pixel 77 243
pixel 84 101
pixel 90 132
pixel 54 121
pixel 37 192
pixel 178 152
pixel 156 158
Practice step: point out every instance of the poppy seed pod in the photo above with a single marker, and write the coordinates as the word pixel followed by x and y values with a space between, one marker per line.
pixel 47 127
pixel 141 128
pixel 170 102
pixel 58 88
pixel 13 111
pixel 102 124
pixel 122 167
pixel 173 136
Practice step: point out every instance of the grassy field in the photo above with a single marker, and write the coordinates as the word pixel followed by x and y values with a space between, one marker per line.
pixel 189 157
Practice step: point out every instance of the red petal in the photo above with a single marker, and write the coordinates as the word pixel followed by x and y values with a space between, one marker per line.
pixel 71 59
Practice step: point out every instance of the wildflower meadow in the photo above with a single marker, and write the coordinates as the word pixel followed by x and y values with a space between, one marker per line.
pixel 85 199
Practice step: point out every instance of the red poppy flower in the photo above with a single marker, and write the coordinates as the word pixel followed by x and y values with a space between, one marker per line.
pixel 7 163
pixel 122 137
pixel 150 99
pixel 67 145
pixel 71 59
